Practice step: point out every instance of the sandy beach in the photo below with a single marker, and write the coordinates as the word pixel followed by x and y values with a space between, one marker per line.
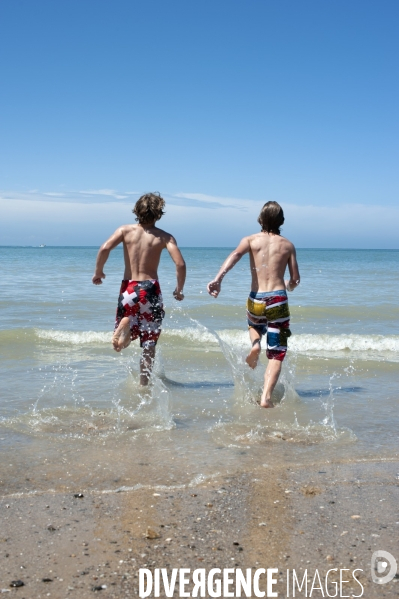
pixel 325 517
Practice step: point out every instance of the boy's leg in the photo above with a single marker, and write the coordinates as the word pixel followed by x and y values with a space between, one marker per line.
pixel 146 364
pixel 277 334
pixel 122 337
pixel 272 373
pixel 253 356
pixel 150 326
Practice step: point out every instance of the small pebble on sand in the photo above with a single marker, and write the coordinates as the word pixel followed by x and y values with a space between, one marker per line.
pixel 151 534
pixel 17 583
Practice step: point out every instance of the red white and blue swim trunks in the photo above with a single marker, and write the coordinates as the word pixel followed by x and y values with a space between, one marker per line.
pixel 141 302
pixel 269 315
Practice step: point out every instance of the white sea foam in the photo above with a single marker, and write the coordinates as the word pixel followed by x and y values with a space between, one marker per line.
pixel 74 337
pixel 238 338
pixel 196 334
pixel 299 343
pixel 337 343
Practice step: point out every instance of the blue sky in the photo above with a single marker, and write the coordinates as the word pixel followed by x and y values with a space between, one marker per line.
pixel 221 105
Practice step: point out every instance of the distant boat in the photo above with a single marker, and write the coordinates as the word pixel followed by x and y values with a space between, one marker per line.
pixel 42 245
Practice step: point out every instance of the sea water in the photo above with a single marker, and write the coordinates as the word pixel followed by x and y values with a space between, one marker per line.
pixel 72 415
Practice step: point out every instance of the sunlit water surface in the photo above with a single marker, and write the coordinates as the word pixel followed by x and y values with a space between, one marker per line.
pixel 72 414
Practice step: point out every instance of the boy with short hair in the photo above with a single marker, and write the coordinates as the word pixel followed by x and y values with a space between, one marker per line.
pixel 267 304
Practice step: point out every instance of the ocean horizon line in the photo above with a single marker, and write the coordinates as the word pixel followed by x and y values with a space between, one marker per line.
pixel 204 247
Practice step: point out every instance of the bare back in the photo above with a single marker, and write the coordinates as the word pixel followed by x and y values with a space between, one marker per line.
pixel 142 248
pixel 269 256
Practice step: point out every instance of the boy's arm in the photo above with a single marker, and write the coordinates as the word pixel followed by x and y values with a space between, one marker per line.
pixel 103 254
pixel 242 248
pixel 178 259
pixel 295 278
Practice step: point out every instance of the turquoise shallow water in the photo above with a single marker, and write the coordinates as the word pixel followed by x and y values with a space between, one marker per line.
pixel 67 398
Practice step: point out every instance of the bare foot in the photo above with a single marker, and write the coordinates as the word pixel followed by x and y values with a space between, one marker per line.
pixel 121 337
pixel 266 403
pixel 253 356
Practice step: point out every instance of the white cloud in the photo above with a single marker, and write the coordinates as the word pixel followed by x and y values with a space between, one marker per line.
pixel 90 196
pixel 104 192
pixel 207 198
pixel 195 219
pixel 202 199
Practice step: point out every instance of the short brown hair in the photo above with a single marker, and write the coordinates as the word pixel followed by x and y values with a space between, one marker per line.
pixel 271 217
pixel 149 208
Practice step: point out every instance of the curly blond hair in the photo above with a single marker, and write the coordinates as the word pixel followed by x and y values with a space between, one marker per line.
pixel 149 208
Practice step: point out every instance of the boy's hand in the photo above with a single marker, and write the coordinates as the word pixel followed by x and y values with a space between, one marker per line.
pixel 291 286
pixel 96 279
pixel 214 288
pixel 178 295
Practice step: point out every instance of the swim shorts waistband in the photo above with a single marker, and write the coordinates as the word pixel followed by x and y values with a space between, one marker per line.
pixel 153 281
pixel 262 294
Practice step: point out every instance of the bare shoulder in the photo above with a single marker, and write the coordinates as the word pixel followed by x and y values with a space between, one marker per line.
pixel 254 236
pixel 287 244
pixel 244 246
pixel 165 236
pixel 127 228
pixel 254 239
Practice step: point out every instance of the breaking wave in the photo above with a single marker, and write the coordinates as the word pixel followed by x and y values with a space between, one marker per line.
pixel 74 337
pixel 299 343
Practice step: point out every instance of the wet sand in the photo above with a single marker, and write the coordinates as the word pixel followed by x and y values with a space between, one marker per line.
pixel 295 517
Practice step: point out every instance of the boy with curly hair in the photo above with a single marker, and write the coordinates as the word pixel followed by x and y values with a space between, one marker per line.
pixel 140 305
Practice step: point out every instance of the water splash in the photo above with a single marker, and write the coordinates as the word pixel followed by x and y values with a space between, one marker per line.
pixel 291 420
